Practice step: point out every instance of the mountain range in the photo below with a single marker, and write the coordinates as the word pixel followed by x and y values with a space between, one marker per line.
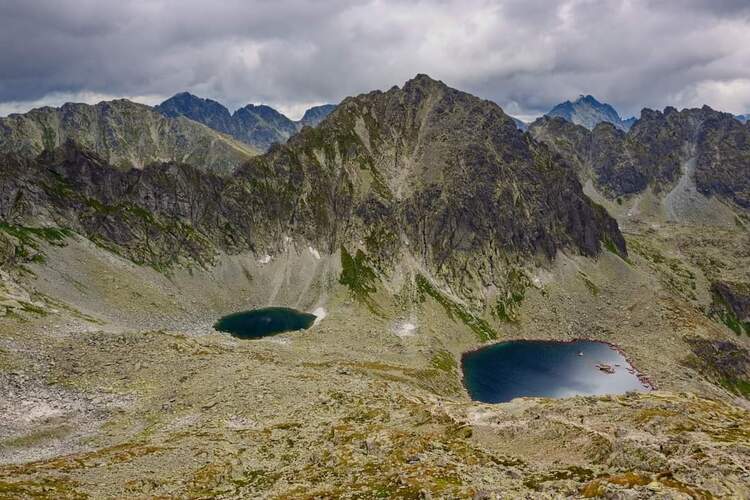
pixel 374 170
pixel 123 133
pixel 259 126
pixel 184 129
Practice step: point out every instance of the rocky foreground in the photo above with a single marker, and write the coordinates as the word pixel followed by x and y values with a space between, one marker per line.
pixel 138 396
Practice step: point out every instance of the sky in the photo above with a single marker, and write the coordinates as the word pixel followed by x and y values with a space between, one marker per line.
pixel 526 55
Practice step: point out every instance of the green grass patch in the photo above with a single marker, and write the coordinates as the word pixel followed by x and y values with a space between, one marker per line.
pixel 610 245
pixel 359 277
pixel 444 361
pixel 30 236
pixel 455 311
pixel 737 386
pixel 723 312
pixel 589 284
pixel 507 307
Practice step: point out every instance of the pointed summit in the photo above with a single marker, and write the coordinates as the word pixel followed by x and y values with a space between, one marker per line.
pixel 588 112
pixel 205 111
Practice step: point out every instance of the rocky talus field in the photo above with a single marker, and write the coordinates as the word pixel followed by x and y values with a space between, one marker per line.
pixel 417 224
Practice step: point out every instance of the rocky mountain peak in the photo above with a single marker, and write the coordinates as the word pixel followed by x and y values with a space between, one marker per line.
pixel 588 111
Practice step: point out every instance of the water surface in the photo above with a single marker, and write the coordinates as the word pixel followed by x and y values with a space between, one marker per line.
pixel 264 322
pixel 501 372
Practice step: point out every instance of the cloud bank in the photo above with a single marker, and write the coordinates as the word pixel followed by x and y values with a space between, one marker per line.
pixel 526 55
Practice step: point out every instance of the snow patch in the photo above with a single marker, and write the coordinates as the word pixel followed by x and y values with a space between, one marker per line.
pixel 405 329
pixel 320 313
pixel 314 252
pixel 265 259
pixel 542 278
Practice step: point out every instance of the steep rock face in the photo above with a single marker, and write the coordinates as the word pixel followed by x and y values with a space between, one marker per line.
pixel 259 126
pixel 613 164
pixel 654 151
pixel 588 112
pixel 124 134
pixel 7 250
pixel 423 169
pixel 723 159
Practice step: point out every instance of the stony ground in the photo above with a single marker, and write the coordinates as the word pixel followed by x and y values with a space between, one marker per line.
pixel 115 385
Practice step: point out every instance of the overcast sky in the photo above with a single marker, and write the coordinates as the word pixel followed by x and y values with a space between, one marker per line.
pixel 526 55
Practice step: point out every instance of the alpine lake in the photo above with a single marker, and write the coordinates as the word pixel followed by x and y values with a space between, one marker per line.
pixel 528 368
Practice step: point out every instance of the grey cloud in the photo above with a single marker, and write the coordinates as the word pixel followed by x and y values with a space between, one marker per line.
pixel 526 55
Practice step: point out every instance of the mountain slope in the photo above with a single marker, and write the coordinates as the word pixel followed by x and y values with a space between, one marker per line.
pixel 259 126
pixel 123 133
pixel 588 112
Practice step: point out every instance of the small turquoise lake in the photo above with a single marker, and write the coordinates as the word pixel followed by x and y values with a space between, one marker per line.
pixel 501 372
pixel 264 322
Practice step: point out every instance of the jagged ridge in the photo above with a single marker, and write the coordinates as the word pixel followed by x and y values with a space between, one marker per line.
pixel 260 126
pixel 652 152
pixel 423 170
pixel 124 134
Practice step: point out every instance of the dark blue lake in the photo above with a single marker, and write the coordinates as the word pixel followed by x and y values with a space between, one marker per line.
pixel 501 372
pixel 264 322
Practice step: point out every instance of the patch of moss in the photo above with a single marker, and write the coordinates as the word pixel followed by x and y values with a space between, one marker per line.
pixel 31 308
pixel 723 312
pixel 507 306
pixel 455 311
pixel 359 277
pixel 573 473
pixel 444 361
pixel 30 236
pixel 30 239
pixel 610 245
pixel 589 284
pixel 737 386
pixel 48 487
